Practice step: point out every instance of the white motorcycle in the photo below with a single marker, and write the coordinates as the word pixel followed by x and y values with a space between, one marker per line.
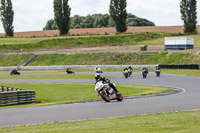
pixel 106 92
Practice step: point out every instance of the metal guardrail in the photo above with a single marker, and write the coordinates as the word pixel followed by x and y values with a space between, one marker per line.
pixel 15 96
pixel 27 61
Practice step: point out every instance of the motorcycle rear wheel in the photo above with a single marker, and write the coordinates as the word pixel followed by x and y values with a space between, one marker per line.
pixel 105 97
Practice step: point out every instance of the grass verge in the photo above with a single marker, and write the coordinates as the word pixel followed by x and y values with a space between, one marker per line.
pixel 50 76
pixel 61 93
pixel 173 122
pixel 182 72
pixel 77 41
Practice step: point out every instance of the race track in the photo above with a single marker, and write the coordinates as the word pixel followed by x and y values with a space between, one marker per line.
pixel 187 99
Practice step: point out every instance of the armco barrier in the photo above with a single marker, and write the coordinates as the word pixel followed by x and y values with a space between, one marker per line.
pixel 192 66
pixel 14 96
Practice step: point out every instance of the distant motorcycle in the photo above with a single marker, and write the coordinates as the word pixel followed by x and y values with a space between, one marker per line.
pixel 14 72
pixel 157 71
pixel 126 74
pixel 69 71
pixel 106 92
pixel 144 72
pixel 130 72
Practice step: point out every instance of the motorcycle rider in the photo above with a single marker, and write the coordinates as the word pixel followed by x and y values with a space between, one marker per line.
pixel 97 69
pixel 144 71
pixel 125 72
pixel 157 70
pixel 69 71
pixel 14 71
pixel 99 78
pixel 130 70
pixel 125 69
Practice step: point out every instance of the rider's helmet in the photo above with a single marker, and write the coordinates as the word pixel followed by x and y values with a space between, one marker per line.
pixel 97 76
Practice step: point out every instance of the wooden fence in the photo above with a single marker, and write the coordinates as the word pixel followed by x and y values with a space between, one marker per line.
pixel 15 96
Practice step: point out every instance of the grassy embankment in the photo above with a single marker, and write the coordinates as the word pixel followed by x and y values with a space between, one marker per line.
pixel 61 93
pixel 135 58
pixel 77 41
pixel 86 41
pixel 174 122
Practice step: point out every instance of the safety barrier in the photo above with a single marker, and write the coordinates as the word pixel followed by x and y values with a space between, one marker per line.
pixel 192 66
pixel 15 96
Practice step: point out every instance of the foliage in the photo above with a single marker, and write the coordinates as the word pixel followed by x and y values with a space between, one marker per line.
pixel 7 16
pixel 50 25
pixel 119 14
pixel 99 21
pixel 188 9
pixel 133 20
pixel 62 15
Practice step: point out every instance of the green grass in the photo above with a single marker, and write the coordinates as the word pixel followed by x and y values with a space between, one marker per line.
pixel 34 71
pixel 181 72
pixel 61 93
pixel 77 41
pixel 173 122
pixel 51 76
pixel 160 41
pixel 12 59
pixel 12 41
pixel 136 58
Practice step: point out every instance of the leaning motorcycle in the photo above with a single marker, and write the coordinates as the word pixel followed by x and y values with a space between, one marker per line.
pixel 106 92
pixel 129 72
pixel 14 72
pixel 126 74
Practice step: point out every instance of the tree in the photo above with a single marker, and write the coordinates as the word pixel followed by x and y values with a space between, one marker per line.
pixel 99 21
pixel 88 22
pixel 76 22
pixel 62 15
pixel 7 16
pixel 118 14
pixel 188 9
pixel 133 20
pixel 50 25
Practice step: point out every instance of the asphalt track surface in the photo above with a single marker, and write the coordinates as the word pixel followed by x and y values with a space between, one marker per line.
pixel 187 99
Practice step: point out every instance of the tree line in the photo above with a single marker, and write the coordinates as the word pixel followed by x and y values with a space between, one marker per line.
pixel 118 17
pixel 98 21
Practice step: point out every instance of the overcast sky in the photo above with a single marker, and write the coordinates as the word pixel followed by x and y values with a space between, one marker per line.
pixel 32 15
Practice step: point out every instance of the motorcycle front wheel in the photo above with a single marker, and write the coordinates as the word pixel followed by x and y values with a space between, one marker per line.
pixel 119 97
pixel 158 74
pixel 105 97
